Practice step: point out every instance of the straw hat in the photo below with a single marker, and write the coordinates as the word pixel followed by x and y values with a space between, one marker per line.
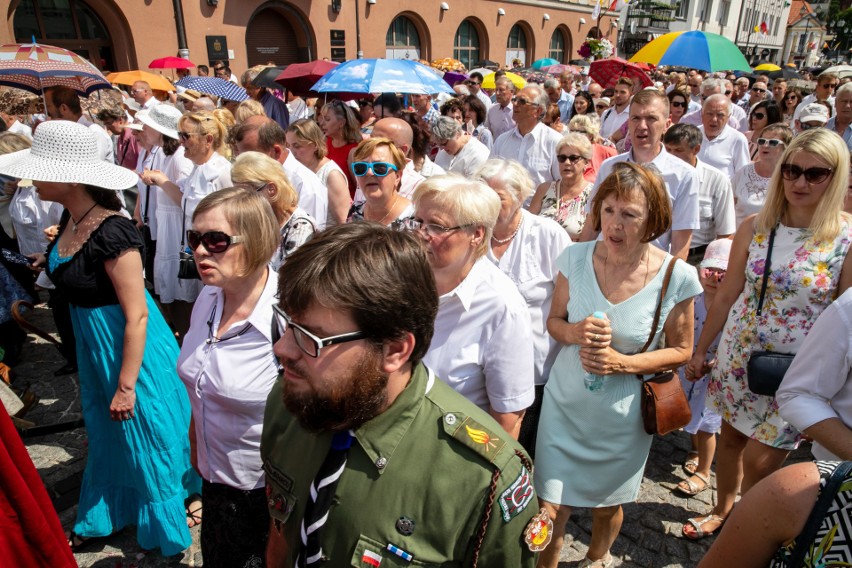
pixel 66 152
pixel 163 118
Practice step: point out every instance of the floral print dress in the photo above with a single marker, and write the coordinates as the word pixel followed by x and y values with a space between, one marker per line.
pixel 803 282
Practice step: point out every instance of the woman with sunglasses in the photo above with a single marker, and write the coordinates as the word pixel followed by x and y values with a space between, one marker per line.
pixel 762 115
pixel 809 234
pixel 138 469
pixel 227 366
pixel 678 104
pixel 378 164
pixel 564 200
pixel 791 100
pixel 751 182
pixel 343 133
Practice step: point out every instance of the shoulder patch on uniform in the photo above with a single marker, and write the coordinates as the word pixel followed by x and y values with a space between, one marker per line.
pixel 474 435
pixel 517 496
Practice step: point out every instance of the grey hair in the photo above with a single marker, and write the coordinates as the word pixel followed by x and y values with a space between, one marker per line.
pixel 445 128
pixel 713 83
pixel 541 99
pixel 249 75
pixel 718 97
pixel 843 89
pixel 512 174
pixel 578 141
pixel 507 82
pixel 461 89
pixel 588 122
pixel 551 83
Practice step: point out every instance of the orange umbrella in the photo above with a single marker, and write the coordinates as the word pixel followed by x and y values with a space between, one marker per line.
pixel 157 82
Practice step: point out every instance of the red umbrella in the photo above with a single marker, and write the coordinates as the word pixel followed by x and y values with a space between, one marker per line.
pixel 606 72
pixel 300 77
pixel 171 63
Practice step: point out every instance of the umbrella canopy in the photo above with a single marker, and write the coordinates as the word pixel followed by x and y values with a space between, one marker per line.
pixel 266 78
pixel 785 73
pixel 606 72
pixel 517 80
pixel 171 63
pixel 481 70
pixel 300 77
pixel 453 77
pixel 560 68
pixel 34 67
pixel 840 70
pixel 215 86
pixel 767 67
pixel 544 62
pixel 382 76
pixel 694 50
pixel 448 64
pixel 533 75
pixel 157 82
pixel 17 101
pixel 487 63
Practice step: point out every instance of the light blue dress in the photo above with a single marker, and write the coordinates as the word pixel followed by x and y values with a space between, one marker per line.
pixel 591 448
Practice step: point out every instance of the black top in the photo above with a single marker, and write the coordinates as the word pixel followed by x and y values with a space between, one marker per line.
pixel 84 279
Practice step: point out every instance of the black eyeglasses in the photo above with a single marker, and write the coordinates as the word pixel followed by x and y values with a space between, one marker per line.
pixel 759 115
pixel 792 172
pixel 831 86
pixel 434 229
pixel 678 104
pixel 184 136
pixel 601 107
pixel 521 102
pixel 573 158
pixel 727 93
pixel 308 343
pixel 214 242
pixel 758 90
pixel 379 169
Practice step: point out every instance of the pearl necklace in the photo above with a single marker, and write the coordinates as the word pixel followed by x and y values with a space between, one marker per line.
pixel 510 237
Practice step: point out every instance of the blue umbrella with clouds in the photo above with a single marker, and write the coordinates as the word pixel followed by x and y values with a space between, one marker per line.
pixel 382 76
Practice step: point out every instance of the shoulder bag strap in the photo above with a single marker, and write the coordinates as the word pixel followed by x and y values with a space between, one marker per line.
pixel 182 224
pixel 766 269
pixel 663 291
pixel 814 521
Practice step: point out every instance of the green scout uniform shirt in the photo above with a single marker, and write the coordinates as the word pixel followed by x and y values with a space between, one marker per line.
pixel 423 467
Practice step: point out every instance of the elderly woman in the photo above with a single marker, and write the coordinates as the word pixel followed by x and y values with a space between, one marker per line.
pixel 678 104
pixel 525 247
pixel 262 174
pixel 592 448
pixel 803 227
pixel 483 345
pixel 227 366
pixel 378 164
pixel 602 148
pixel 305 140
pixel 474 117
pixel 564 200
pixel 459 152
pixel 343 133
pixel 751 182
pixel 138 469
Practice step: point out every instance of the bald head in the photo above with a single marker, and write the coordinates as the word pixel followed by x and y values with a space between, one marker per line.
pixel 397 131
pixel 141 92
pixel 260 133
pixel 203 103
pixel 718 99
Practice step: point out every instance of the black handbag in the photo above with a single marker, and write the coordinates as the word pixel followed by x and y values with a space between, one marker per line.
pixel 187 270
pixel 766 369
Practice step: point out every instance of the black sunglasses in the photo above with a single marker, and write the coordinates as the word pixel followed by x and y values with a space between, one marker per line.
pixel 472 83
pixel 678 104
pixel 573 158
pixel 379 169
pixel 184 136
pixel 758 90
pixel 792 172
pixel 520 102
pixel 759 115
pixel 213 242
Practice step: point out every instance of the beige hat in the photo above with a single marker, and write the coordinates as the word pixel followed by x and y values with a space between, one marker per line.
pixel 190 95
pixel 814 111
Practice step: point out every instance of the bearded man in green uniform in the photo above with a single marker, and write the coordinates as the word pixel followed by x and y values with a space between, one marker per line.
pixel 370 459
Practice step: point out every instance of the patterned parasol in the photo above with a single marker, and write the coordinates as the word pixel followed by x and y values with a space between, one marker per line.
pixel 215 86
pixel 35 67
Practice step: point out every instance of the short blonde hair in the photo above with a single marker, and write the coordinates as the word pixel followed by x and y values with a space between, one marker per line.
pixel 589 123
pixel 309 131
pixel 247 109
pixel 467 202
pixel 256 169
pixel 205 122
pixel 11 142
pixel 366 147
pixel 512 174
pixel 578 141
pixel 250 216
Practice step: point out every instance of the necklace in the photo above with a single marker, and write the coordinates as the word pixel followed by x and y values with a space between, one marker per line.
pixel 390 210
pixel 510 237
pixel 75 222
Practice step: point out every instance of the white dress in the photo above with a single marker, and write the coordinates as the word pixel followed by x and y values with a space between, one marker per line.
pixel 176 167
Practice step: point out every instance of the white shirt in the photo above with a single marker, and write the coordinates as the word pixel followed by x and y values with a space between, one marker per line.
pixel 213 175
pixel 530 262
pixel 482 346
pixel 818 385
pixel 486 100
pixel 228 382
pixel 681 182
pixel 750 189
pixel 499 119
pixel 313 195
pixel 728 152
pixel 105 148
pixel 430 168
pixel 612 120
pixel 148 195
pixel 467 160
pixel 715 206
pixel 298 109
pixel 808 100
pixel 738 119
pixel 19 128
pixel 536 151
pixel 30 217
pixel 150 103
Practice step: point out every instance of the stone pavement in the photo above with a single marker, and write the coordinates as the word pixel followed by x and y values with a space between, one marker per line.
pixel 650 536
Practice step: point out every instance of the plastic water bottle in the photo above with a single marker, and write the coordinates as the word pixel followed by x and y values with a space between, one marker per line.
pixel 594 383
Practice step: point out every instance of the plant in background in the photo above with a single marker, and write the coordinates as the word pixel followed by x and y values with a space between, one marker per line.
pixel 597 48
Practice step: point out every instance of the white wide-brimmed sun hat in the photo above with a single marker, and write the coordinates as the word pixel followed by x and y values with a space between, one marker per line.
pixel 66 152
pixel 163 118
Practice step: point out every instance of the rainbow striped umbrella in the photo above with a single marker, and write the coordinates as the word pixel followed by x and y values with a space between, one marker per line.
pixel 35 67
pixel 695 50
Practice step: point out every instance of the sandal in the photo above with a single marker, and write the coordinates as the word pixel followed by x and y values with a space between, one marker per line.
pixel 78 543
pixel 604 562
pixel 690 466
pixel 691 488
pixel 193 514
pixel 698 522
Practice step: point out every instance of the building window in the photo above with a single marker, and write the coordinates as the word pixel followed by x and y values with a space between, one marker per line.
pixel 402 40
pixel 682 9
pixel 516 46
pixel 557 46
pixel 466 45
pixel 704 11
pixel 724 10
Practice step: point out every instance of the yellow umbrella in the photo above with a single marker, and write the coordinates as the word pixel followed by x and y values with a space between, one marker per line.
pixel 157 82
pixel 767 67
pixel 517 80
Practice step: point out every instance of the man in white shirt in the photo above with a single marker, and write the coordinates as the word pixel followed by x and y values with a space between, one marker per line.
pixel 498 118
pixel 16 126
pixel 723 147
pixel 143 95
pixel 694 83
pixel 474 83
pixel 617 114
pixel 714 86
pixel 531 142
pixel 715 196
pixel 826 84
pixel 264 135
pixel 649 119
pixel 63 103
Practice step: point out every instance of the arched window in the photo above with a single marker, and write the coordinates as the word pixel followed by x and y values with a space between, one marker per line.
pixel 71 24
pixel 466 45
pixel 402 40
pixel 557 46
pixel 516 47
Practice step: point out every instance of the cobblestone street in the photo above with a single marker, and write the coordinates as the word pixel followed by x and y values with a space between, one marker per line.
pixel 650 536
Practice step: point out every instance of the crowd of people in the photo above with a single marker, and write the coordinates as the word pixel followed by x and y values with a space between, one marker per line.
pixel 283 314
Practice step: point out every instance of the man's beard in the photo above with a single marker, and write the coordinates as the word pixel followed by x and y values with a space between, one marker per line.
pixel 352 399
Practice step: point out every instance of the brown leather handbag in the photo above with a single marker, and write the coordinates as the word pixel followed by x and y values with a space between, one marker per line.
pixel 664 404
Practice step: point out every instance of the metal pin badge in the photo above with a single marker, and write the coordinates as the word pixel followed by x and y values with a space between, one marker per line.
pixel 405 526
